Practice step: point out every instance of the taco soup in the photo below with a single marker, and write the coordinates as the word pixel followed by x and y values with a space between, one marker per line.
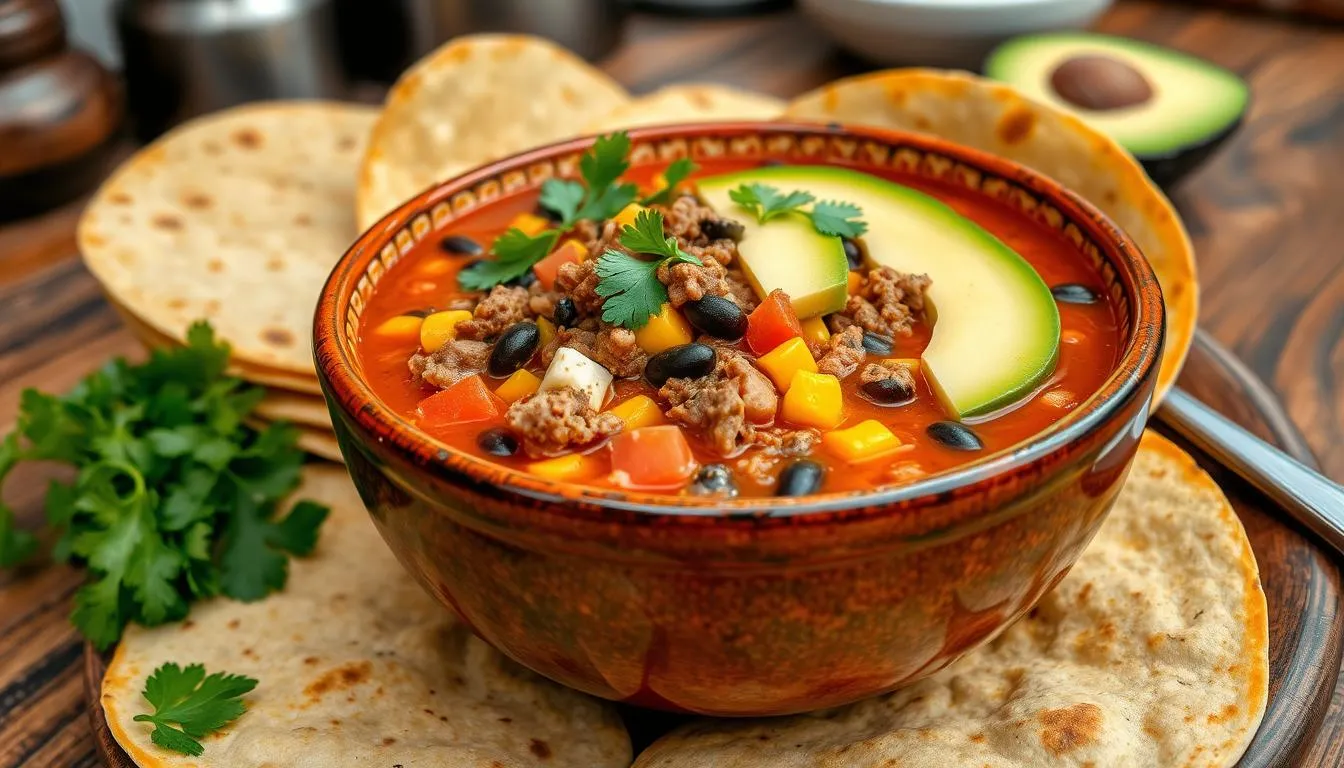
pixel 746 330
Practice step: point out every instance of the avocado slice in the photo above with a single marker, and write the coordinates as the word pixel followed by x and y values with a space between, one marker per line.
pixel 1169 109
pixel 785 253
pixel 996 326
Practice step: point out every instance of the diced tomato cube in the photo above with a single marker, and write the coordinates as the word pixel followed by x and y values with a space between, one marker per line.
pixel 651 458
pixel 546 270
pixel 772 323
pixel 467 401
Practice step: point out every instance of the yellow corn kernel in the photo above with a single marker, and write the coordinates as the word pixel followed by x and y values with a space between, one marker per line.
pixel 814 400
pixel 782 362
pixel 855 281
pixel 626 218
pixel 440 328
pixel 519 385
pixel 572 467
pixel 664 330
pixel 639 411
pixel 401 328
pixel 546 332
pixel 530 223
pixel 862 442
pixel 815 331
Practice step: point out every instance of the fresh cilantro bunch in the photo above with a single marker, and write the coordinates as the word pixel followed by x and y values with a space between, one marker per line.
pixel 189 706
pixel 629 283
pixel 600 195
pixel 829 217
pixel 174 499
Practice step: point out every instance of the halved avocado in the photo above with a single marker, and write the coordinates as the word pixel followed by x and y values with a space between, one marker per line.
pixel 996 326
pixel 785 253
pixel 1169 109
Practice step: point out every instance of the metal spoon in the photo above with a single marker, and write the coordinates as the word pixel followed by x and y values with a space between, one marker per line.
pixel 1311 498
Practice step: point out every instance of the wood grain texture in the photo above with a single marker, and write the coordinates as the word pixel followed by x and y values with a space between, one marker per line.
pixel 1267 216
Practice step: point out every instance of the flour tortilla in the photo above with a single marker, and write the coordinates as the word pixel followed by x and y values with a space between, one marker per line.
pixel 359 667
pixel 236 218
pixel 304 410
pixel 271 378
pixel 996 118
pixel 689 103
pixel 476 99
pixel 1152 652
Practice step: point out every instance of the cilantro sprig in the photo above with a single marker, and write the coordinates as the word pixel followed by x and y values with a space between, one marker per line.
pixel 599 195
pixel 829 217
pixel 188 705
pixel 630 284
pixel 174 499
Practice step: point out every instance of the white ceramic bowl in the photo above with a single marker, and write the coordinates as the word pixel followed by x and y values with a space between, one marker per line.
pixel 942 33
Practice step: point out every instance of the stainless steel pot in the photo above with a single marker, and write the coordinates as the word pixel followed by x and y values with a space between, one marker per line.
pixel 184 58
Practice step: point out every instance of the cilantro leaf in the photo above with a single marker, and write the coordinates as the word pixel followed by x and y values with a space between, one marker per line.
pixel 188 705
pixel 166 468
pixel 515 252
pixel 767 202
pixel 674 174
pixel 831 217
pixel 562 196
pixel 600 167
pixel 630 285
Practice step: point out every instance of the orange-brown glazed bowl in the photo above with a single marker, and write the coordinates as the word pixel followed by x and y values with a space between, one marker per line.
pixel 751 606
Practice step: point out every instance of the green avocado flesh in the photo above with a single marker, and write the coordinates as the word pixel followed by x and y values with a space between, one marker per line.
pixel 1192 102
pixel 995 324
pixel 785 253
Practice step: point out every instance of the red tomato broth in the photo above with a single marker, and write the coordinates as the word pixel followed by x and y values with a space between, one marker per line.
pixel 1088 352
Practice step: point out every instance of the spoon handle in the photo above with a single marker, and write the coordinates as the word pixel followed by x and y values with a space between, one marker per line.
pixel 1311 498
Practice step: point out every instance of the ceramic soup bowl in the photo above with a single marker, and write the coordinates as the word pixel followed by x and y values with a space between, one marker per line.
pixel 747 606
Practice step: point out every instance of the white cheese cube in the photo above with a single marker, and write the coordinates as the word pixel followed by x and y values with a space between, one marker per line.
pixel 570 368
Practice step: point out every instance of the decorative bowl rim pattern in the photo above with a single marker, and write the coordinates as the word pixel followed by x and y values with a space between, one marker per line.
pixel 354 276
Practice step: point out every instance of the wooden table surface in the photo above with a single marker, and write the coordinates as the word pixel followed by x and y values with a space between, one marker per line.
pixel 1266 215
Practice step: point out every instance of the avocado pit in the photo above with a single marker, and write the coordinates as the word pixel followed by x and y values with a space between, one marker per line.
pixel 1100 83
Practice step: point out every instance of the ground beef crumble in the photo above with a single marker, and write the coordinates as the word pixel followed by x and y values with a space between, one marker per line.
pixel 501 308
pixel 541 302
pixel 844 354
pixel 556 420
pixel 888 302
pixel 450 363
pixel 579 281
pixel 740 290
pixel 724 405
pixel 691 282
pixel 883 370
pixel 580 340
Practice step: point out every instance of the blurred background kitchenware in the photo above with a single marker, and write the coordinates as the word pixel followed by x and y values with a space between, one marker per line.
pixel 380 39
pixel 946 33
pixel 711 7
pixel 183 58
pixel 59 111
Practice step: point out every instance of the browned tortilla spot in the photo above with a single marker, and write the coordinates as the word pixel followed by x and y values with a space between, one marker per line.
pixel 341 678
pixel 311 661
pixel 978 738
pixel 303 220
pixel 1067 729
pixel 120 198
pixel 177 303
pixel 275 264
pixel 278 337
pixel 95 240
pixel 247 138
pixel 213 148
pixel 347 143
pixel 389 741
pixel 1228 712
pixel 234 623
pixel 1015 125
pixel 540 748
pixel 197 200
pixel 215 265
pixel 166 221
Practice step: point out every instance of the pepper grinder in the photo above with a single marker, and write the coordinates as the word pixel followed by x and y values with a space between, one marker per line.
pixel 59 112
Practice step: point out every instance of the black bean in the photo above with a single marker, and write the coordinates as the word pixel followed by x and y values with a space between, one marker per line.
pixel 717 316
pixel 419 312
pixel 497 442
pixel 514 348
pixel 954 435
pixel 853 253
pixel 565 314
pixel 713 480
pixel 800 478
pixel 548 214
pixel 719 229
pixel 1074 293
pixel 887 391
pixel 688 361
pixel 460 245
pixel 876 343
pixel 524 280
